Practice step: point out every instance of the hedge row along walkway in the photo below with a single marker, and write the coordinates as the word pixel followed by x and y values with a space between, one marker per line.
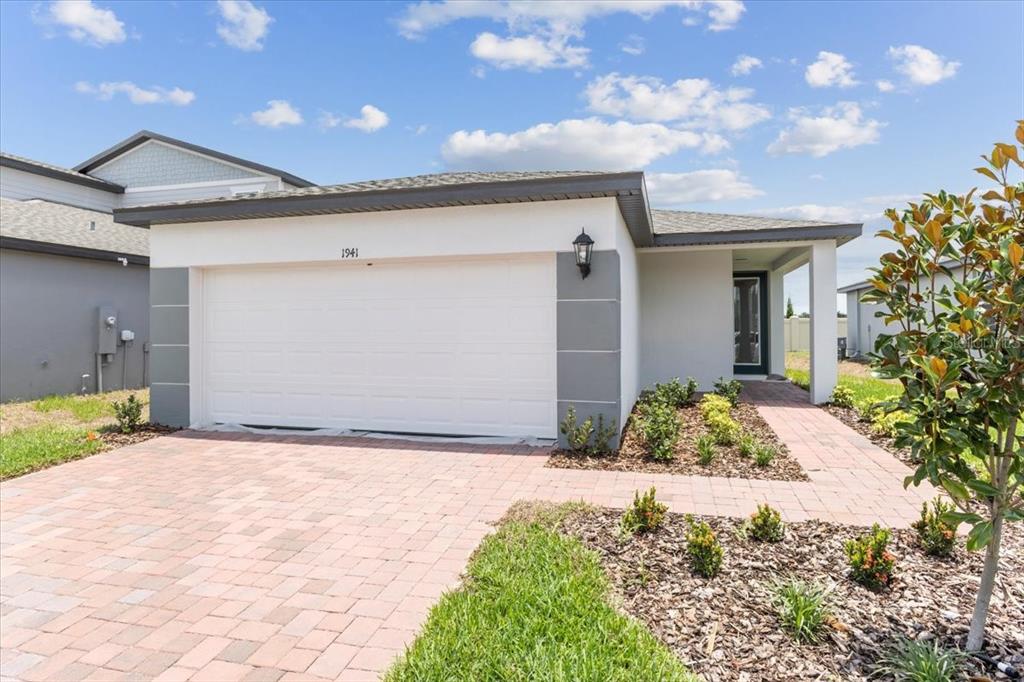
pixel 218 557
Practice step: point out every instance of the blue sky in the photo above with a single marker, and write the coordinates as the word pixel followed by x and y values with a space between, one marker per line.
pixel 827 110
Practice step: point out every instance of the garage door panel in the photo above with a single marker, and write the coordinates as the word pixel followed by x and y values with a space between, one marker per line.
pixel 432 346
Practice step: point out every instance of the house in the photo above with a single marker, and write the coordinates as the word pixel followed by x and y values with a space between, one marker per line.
pixel 74 285
pixel 466 303
pixel 865 321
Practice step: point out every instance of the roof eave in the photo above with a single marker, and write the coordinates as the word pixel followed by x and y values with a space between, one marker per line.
pixel 840 233
pixel 145 135
pixel 70 250
pixel 84 181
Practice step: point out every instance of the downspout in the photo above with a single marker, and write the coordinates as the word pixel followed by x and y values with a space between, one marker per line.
pixel 99 373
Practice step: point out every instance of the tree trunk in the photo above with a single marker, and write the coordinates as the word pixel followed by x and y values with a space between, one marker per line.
pixel 976 636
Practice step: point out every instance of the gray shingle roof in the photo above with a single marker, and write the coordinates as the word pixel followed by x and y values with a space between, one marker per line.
pixel 51 223
pixel 49 170
pixel 687 222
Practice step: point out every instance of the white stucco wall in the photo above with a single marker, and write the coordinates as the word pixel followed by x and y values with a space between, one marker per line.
pixel 418 233
pixel 686 325
pixel 629 307
pixel 18 184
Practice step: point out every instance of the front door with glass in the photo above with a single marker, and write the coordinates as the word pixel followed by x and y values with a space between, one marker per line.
pixel 750 320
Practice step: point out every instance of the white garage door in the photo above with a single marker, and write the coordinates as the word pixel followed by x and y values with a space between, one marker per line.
pixel 448 347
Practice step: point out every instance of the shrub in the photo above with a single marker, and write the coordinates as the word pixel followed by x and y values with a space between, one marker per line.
pixel 884 423
pixel 911 661
pixel 803 608
pixel 866 409
pixel 842 397
pixel 730 390
pixel 764 455
pixel 937 537
pixel 705 449
pixel 128 413
pixel 603 435
pixel 712 404
pixel 724 429
pixel 645 514
pixel 578 434
pixel 871 563
pixel 704 549
pixel 748 445
pixel 765 524
pixel 659 428
pixel 675 393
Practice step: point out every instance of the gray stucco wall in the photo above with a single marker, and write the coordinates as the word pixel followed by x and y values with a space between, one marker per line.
pixel 169 309
pixel 49 323
pixel 589 339
pixel 155 164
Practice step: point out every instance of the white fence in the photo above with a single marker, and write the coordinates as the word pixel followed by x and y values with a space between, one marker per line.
pixel 798 332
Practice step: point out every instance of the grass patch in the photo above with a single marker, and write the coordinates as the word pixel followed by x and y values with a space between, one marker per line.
pixel 534 606
pixel 863 388
pixel 26 450
pixel 87 408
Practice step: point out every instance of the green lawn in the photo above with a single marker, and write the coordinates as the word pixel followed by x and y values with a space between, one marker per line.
pixel 37 447
pixel 534 606
pixel 84 408
pixel 855 376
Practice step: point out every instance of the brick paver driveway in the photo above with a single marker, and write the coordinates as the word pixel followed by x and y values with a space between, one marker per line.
pixel 217 557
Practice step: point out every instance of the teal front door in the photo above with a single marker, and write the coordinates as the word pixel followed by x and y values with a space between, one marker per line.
pixel 750 322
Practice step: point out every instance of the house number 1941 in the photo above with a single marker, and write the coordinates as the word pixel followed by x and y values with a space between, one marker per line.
pixel 350 253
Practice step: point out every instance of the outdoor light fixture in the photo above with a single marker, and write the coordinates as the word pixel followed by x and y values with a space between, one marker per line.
pixel 584 247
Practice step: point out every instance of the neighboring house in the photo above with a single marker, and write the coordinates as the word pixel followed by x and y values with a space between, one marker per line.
pixel 865 321
pixel 66 267
pixel 453 303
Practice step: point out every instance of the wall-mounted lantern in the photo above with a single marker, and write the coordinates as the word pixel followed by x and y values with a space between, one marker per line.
pixel 584 247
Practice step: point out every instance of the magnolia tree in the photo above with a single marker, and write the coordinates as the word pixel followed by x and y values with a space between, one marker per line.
pixel 959 351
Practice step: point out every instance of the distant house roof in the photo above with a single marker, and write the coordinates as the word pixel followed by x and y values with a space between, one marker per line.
pixel 648 228
pixel 145 135
pixel 48 227
pixel 58 173
pixel 865 284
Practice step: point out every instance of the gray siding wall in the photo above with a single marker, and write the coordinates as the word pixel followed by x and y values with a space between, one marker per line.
pixel 154 164
pixel 169 309
pixel 49 323
pixel 18 184
pixel 589 339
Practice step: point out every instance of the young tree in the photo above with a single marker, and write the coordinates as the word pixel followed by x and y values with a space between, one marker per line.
pixel 960 351
pixel 789 308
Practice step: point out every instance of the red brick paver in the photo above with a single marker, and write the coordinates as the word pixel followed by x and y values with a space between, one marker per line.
pixel 212 557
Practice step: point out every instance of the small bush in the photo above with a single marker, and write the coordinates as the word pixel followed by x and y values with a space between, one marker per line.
pixel 705 450
pixel 730 390
pixel 871 563
pixel 704 549
pixel 842 397
pixel 712 404
pixel 128 413
pixel 724 429
pixel 766 524
pixel 936 536
pixel 604 435
pixel 803 608
pixel 764 455
pixel 884 423
pixel 866 409
pixel 748 445
pixel 658 425
pixel 911 661
pixel 675 393
pixel 645 514
pixel 577 434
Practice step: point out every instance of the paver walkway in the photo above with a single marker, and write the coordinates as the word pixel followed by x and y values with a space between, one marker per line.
pixel 217 557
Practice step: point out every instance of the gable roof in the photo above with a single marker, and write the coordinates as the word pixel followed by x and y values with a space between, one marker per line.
pixel 38 225
pixel 647 227
pixel 951 264
pixel 50 171
pixel 144 136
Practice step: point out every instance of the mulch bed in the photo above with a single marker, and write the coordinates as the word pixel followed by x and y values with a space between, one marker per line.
pixel 115 439
pixel 726 628
pixel 632 455
pixel 849 416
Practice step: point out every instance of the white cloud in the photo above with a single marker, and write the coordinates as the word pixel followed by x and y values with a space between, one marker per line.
pixel 245 25
pixel 830 69
pixel 884 86
pixel 674 189
pixel 546 34
pixel 840 127
pixel 633 44
pixel 691 101
pixel 531 52
pixel 862 210
pixel 744 64
pixel 327 120
pixel 590 144
pixel 371 120
pixel 138 95
pixel 87 23
pixel 920 65
pixel 279 112
pixel 816 176
pixel 418 130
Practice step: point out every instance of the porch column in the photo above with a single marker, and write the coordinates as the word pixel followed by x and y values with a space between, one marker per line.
pixel 776 323
pixel 824 328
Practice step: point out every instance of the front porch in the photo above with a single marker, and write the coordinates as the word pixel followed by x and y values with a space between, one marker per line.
pixel 710 312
